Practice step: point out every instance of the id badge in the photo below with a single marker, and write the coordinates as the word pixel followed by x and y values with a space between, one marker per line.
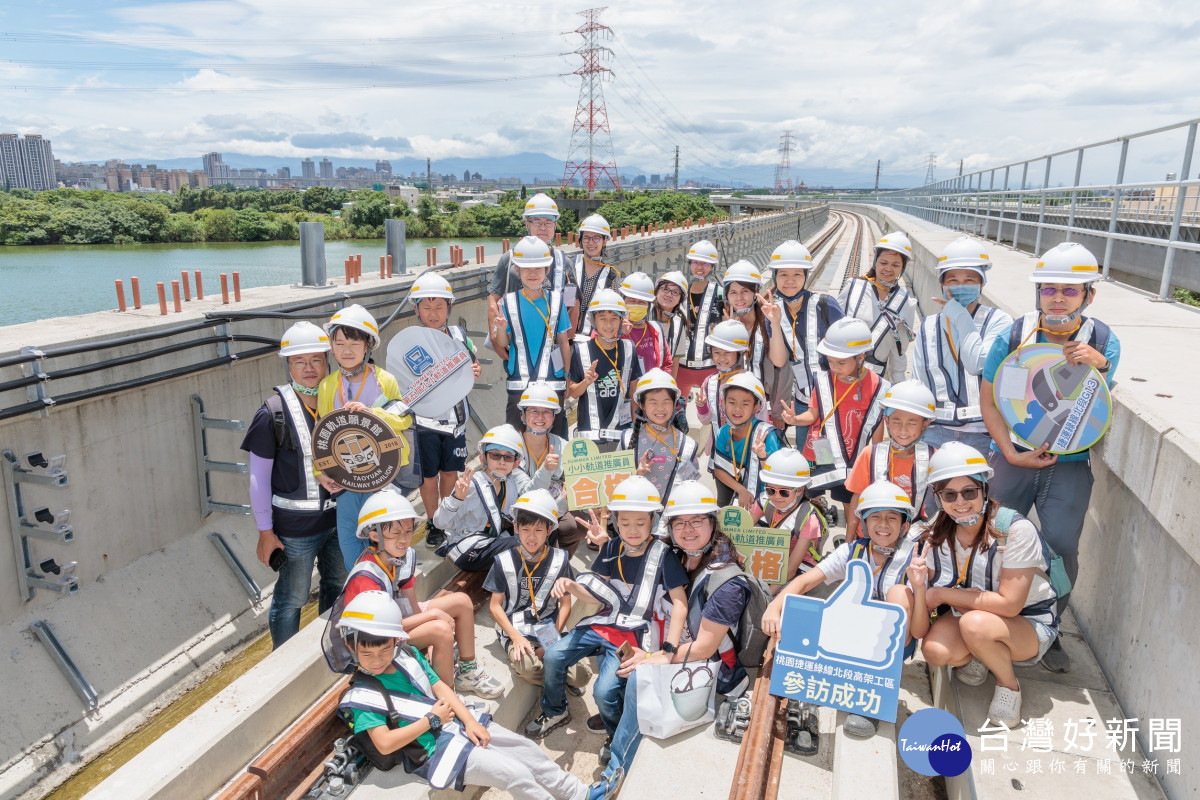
pixel 625 415
pixel 546 634
pixel 822 451
pixel 569 293
pixel 800 378
pixel 556 364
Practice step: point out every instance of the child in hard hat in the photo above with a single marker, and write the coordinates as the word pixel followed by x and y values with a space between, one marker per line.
pixel 403 714
pixel 358 385
pixel 389 564
pixel 903 459
pixel 528 617
pixel 588 271
pixel 743 442
pixel 540 217
pixel 897 568
pixel 604 370
pixel 664 454
pixel 627 577
pixel 477 514
pixel 783 476
pixel 542 453
pixel 743 304
pixel 846 409
pixel 704 307
pixel 728 343
pixel 533 335
pixel 641 328
pixel 879 300
pixel 1059 486
pixel 441 440
pixel 667 311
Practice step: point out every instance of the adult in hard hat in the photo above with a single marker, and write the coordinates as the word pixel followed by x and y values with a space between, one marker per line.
pixel 952 345
pixel 294 514
pixel 1059 486
pixel 878 299
pixel 588 271
pixel 540 216
pixel 359 385
pixel 704 306
pixel 742 283
pixel 668 311
pixel 989 564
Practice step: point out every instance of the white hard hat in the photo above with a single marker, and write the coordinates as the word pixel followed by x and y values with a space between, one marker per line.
pixel 882 495
pixel 1069 262
pixel 787 466
pixel 674 277
pixel 729 335
pixel 596 224
pixel 691 497
pixel 357 317
pixel 301 338
pixel 541 205
pixel 541 503
pixel 375 613
pixel 898 241
pixel 540 394
pixel 639 286
pixel 742 272
pixel 705 251
pixel 964 253
pixel 635 494
pixel 791 255
pixel 912 396
pixel 502 437
pixel 846 337
pixel 431 285
pixel 955 459
pixel 531 252
pixel 654 379
pixel 746 381
pixel 387 505
pixel 607 300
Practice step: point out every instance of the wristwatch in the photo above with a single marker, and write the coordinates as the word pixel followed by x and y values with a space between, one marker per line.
pixel 669 648
pixel 435 723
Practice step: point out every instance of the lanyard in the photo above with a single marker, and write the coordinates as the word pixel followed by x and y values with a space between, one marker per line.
pixel 312 412
pixel 871 554
pixel 529 577
pixel 621 571
pixel 950 340
pixel 613 361
pixel 739 467
pixel 779 516
pixel 838 402
pixel 346 396
pixel 670 446
pixel 1068 334
pixel 545 318
pixel 962 573
pixel 537 462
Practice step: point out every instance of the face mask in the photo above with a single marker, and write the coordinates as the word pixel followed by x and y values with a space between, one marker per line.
pixel 965 295
pixel 886 551
pixel 741 312
pixel 790 298
pixel 537 431
pixel 967 522
pixel 638 313
pixel 304 389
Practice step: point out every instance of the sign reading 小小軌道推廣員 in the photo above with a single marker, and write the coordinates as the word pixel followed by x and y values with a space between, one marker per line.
pixel 765 549
pixel 357 449
pixel 590 476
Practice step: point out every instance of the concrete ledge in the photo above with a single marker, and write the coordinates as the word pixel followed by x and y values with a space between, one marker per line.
pixel 865 767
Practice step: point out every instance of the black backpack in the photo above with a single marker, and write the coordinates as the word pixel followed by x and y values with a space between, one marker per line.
pixel 411 756
pixel 750 640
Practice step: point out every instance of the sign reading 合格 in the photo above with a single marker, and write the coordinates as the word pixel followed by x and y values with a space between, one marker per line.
pixel 432 369
pixel 590 476
pixel 765 549
pixel 357 449
pixel 845 652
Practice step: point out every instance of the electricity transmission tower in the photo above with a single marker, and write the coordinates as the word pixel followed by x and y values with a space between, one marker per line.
pixel 591 132
pixel 783 172
pixel 930 163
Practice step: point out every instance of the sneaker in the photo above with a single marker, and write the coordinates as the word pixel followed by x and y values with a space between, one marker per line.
pixel 575 691
pixel 543 724
pixel 477 682
pixel 859 727
pixel 973 673
pixel 595 723
pixel 606 750
pixel 1056 658
pixel 607 788
pixel 1005 707
pixel 434 536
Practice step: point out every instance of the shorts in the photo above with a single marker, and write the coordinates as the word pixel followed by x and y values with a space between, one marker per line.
pixel 441 452
pixel 1046 636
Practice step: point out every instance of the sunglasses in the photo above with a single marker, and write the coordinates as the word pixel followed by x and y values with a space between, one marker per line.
pixel 773 491
pixel 1067 291
pixel 503 458
pixel 949 495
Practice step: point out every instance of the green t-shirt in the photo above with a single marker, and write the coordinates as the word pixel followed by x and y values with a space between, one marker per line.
pixel 396 681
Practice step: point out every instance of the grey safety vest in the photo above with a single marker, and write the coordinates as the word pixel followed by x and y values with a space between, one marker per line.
pixel 487 495
pixel 842 459
pixel 748 476
pixel 632 614
pixel 546 605
pixel 886 316
pixel 578 268
pixel 539 370
pixel 806 361
pixel 881 455
pixel 698 355
pixel 306 499
pixel 604 430
pixel 955 408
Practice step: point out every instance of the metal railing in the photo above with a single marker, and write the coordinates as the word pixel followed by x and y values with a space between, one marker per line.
pixel 994 204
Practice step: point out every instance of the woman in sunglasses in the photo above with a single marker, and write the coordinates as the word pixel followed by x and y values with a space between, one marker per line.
pixel 987 569
pixel 784 476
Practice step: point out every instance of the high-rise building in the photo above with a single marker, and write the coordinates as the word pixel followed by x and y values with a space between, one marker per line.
pixel 283 173
pixel 26 163
pixel 655 179
pixel 215 167
pixel 384 167
pixel 326 169
pixel 308 170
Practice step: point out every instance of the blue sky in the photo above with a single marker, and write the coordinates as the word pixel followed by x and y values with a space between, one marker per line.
pixel 857 81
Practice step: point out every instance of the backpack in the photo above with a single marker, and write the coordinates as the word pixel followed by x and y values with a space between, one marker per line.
pixel 1056 571
pixel 750 640
pixel 283 431
pixel 410 757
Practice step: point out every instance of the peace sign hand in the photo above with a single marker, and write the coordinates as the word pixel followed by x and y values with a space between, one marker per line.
pixel 597 529
pixel 772 312
pixel 592 374
pixel 463 484
pixel 917 571
pixel 789 412
pixel 645 464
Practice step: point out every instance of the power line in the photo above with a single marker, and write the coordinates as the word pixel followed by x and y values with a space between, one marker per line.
pixel 278 87
pixel 123 39
pixel 268 66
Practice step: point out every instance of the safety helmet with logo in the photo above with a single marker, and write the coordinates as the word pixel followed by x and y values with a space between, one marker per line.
pixel 607 300
pixel 357 317
pixel 596 224
pixel 635 494
pixel 787 466
pixel 897 241
pixel 531 252
pixel 729 335
pixel 541 503
pixel 705 251
pixel 303 338
pixel 655 379
pixel 882 495
pixel 912 396
pixel 638 286
pixel 691 497
pixel 964 253
pixel 791 255
pixel 955 459
pixel 430 286
pixel 847 337
pixel 1070 263
pixel 539 394
pixel 540 205
pixel 746 381
pixel 675 278
pixel 387 505
pixel 742 272
pixel 502 437
pixel 375 613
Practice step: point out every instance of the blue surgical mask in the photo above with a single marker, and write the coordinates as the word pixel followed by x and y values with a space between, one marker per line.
pixel 965 294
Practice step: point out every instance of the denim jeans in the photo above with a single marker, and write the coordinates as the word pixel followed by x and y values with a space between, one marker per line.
pixel 628 735
pixel 348 505
pixel 937 435
pixel 295 581
pixel 609 688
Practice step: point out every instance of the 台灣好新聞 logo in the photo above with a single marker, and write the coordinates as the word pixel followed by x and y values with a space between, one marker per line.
pixel 933 742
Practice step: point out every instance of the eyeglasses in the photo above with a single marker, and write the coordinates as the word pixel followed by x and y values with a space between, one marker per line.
pixel 949 495
pixel 1067 291
pixel 591 237
pixel 772 491
pixel 671 291
pixel 503 458
pixel 688 524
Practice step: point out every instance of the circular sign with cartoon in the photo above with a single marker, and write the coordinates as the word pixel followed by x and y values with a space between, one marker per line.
pixel 1045 400
pixel 357 449
pixel 432 369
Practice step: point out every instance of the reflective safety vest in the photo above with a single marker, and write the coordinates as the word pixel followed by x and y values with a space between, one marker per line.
pixel 531 369
pixel 806 361
pixel 748 475
pixel 333 642
pixel 455 424
pixel 590 425
pixel 559 277
pixel 715 406
pixel 758 351
pixel 308 496
pixel 482 486
pixel 674 332
pixel 880 458
pixel 892 572
pixel 632 614
pixel 584 300
pixel 446 767
pixel 698 355
pixel 888 324
pixel 726 650
pixel 843 458
pixel 549 571
pixel 1092 331
pixel 956 407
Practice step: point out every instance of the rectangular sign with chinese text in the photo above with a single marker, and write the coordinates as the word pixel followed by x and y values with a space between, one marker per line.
pixel 765 549
pixel 590 476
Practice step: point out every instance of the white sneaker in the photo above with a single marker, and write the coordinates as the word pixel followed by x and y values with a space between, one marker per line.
pixel 973 673
pixel 1005 707
pixel 478 682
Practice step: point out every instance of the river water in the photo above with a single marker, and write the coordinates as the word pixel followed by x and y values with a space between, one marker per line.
pixel 39 282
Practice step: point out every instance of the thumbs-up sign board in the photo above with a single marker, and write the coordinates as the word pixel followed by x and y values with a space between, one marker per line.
pixel 845 652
